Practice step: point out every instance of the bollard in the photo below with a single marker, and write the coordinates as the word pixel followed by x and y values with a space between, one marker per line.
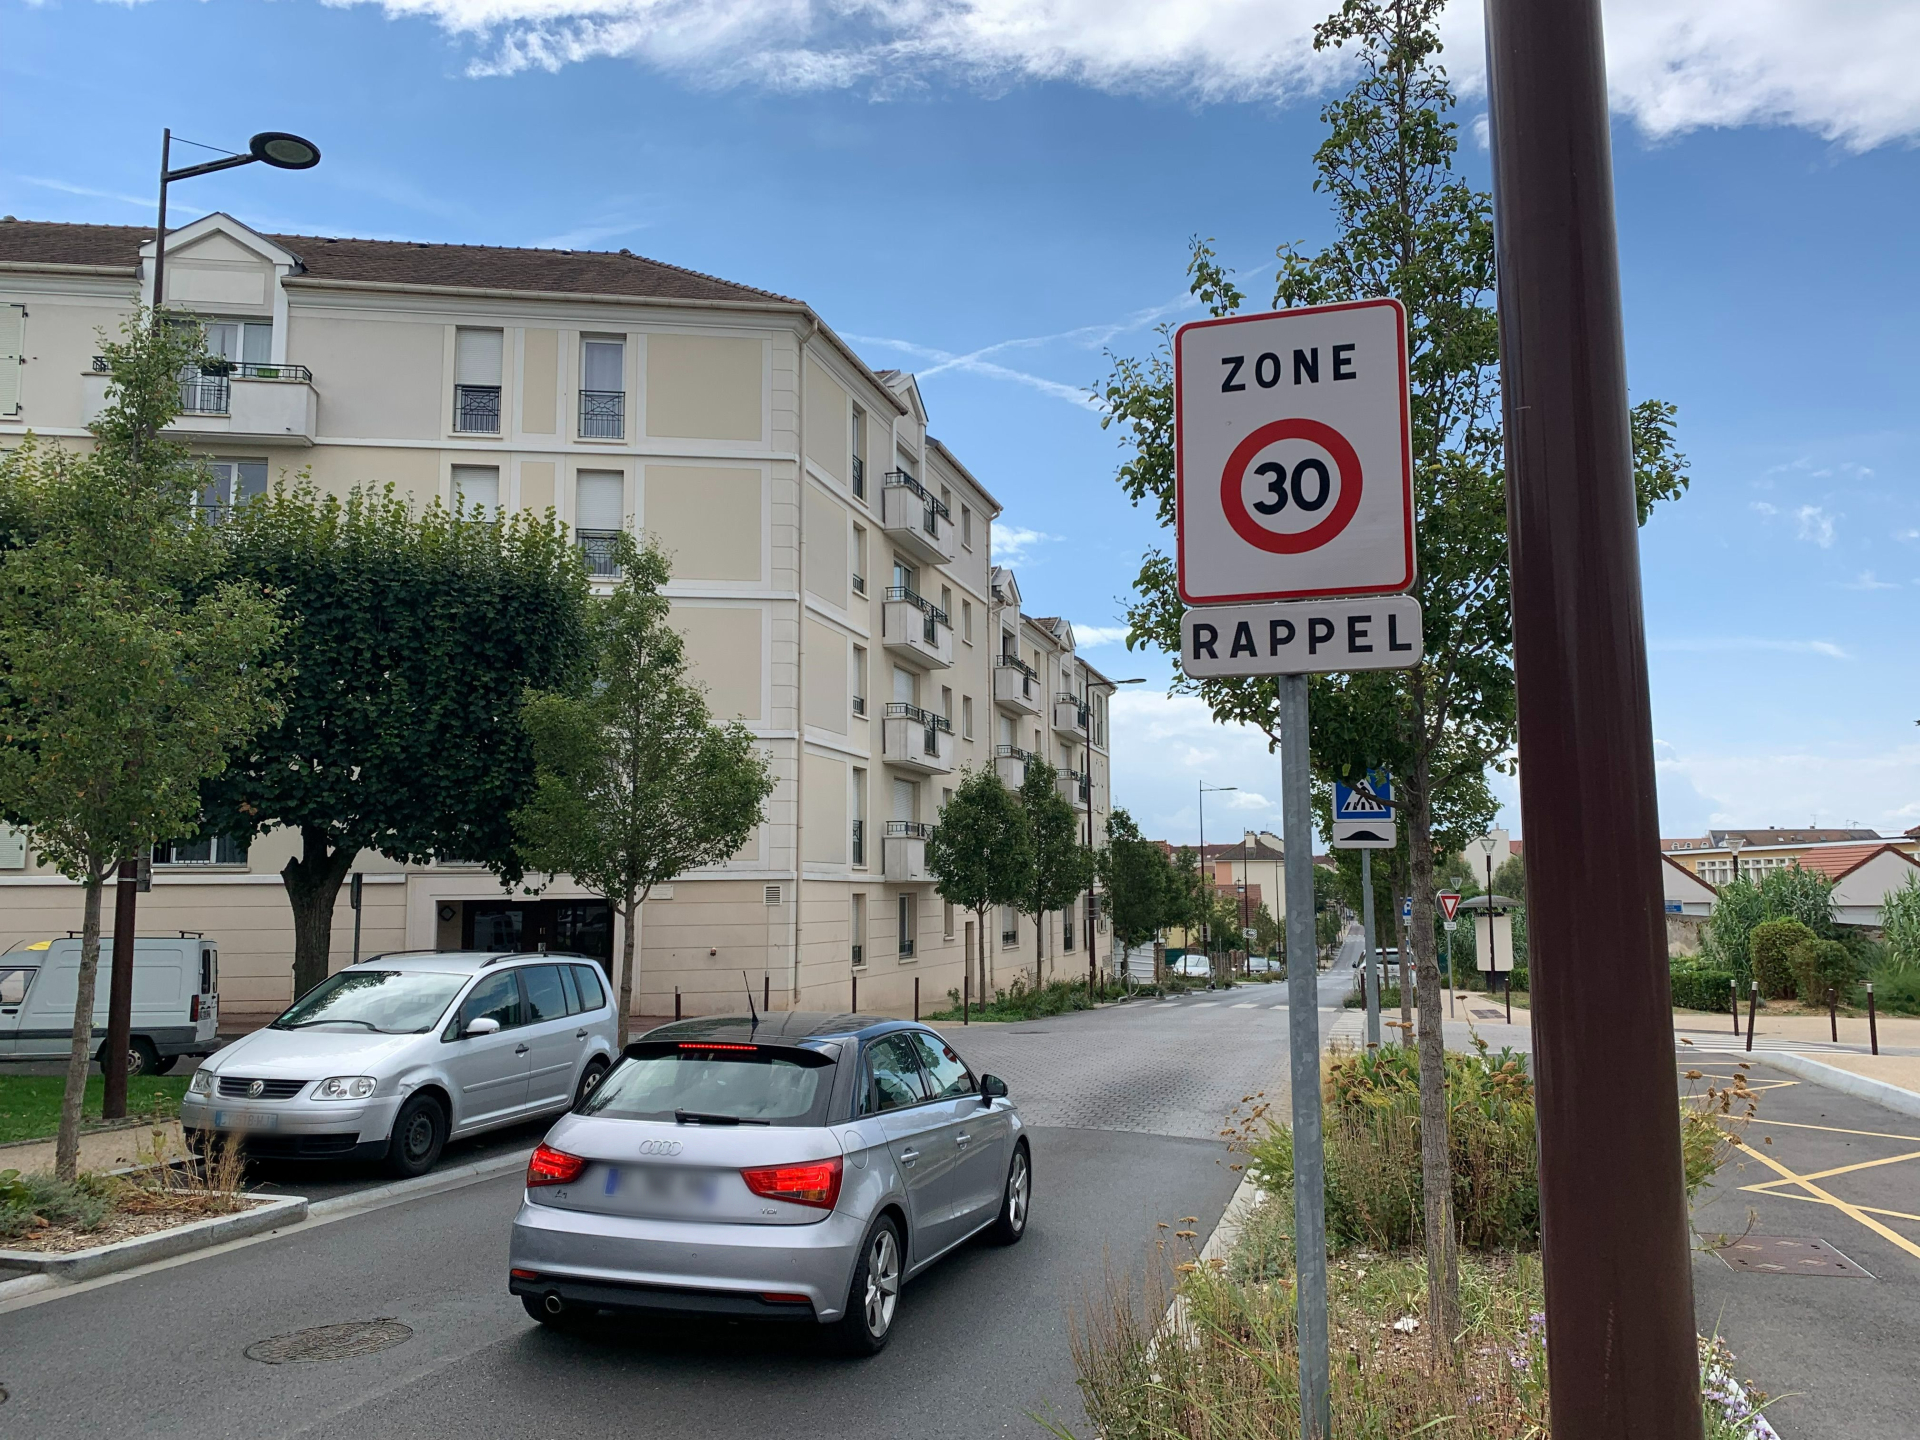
pixel 1873 1024
pixel 676 1002
pixel 966 996
pixel 1753 1004
pixel 856 996
pixel 916 997
pixel 766 992
pixel 1833 1015
pixel 1734 986
pixel 1090 963
pixel 1509 984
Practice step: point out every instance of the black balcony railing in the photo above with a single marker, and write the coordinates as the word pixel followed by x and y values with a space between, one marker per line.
pixel 908 829
pixel 219 368
pixel 859 853
pixel 932 511
pixel 1009 937
pixel 603 414
pixel 906 946
pixel 204 394
pixel 476 409
pixel 859 704
pixel 900 710
pixel 931 615
pixel 859 954
pixel 597 547
pixel 1014 662
pixel 1079 709
pixel 859 478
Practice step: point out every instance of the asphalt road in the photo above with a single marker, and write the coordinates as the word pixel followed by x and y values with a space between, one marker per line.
pixel 1126 1103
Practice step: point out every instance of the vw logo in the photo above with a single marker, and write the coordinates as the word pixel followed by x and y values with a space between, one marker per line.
pixel 256 1088
pixel 660 1147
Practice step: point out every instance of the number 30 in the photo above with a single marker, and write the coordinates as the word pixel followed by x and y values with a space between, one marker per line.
pixel 1278 483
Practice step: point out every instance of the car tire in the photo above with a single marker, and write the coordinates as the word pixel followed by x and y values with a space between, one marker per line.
pixel 419 1134
pixel 142 1058
pixel 595 1072
pixel 873 1299
pixel 1016 1199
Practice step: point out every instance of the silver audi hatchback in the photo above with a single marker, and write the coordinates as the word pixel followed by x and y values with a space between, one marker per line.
pixel 794 1166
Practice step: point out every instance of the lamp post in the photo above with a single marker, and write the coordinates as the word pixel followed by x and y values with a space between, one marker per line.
pixel 283 152
pixel 269 147
pixel 1735 844
pixel 1206 880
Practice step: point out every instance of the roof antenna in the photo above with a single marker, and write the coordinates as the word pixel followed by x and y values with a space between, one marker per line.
pixel 747 985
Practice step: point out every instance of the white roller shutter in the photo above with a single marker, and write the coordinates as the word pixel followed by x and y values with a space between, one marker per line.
pixel 13 344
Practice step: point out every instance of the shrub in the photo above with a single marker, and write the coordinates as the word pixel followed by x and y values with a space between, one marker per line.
pixel 28 1202
pixel 1770 951
pixel 1820 965
pixel 1022 1002
pixel 1897 991
pixel 1725 938
pixel 1389 998
pixel 1698 988
pixel 1900 922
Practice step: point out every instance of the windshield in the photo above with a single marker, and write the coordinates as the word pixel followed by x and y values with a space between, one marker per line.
pixel 754 1086
pixel 389 1002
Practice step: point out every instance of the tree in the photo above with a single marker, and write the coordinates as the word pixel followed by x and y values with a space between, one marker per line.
pixel 129 667
pixel 1139 881
pixel 1741 905
pixel 414 637
pixel 1900 922
pixel 980 853
pixel 634 783
pixel 1059 867
pixel 1267 935
pixel 1406 226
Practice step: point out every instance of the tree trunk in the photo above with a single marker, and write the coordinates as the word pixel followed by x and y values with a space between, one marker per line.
pixel 313 889
pixel 1039 948
pixel 629 913
pixel 1436 1166
pixel 66 1147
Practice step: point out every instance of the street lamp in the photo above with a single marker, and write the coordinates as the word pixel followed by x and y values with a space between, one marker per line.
pixel 1206 914
pixel 1486 845
pixel 1735 843
pixel 269 147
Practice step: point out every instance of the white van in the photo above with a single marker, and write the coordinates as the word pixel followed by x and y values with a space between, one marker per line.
pixel 176 1003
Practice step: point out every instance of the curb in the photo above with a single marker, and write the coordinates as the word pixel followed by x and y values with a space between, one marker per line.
pixel 76 1265
pixel 381 1195
pixel 1862 1087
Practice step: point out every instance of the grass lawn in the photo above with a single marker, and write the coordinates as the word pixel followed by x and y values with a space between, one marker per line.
pixel 30 1104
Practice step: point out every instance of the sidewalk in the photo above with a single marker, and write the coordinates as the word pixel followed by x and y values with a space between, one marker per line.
pixel 99 1149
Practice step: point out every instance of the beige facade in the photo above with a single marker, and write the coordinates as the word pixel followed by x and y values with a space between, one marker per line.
pixel 831 571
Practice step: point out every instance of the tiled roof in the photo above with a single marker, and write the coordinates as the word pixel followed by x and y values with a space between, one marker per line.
pixel 1833 861
pixel 403 262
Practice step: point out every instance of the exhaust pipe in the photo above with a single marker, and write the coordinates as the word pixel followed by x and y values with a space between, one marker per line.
pixel 554 1304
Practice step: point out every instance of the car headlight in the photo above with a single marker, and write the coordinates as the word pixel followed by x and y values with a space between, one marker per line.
pixel 202 1082
pixel 344 1087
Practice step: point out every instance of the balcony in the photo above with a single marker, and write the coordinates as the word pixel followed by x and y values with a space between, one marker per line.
pixel 1016 687
pixel 1069 715
pixel 476 409
pixel 916 630
pixel 1010 764
pixel 603 414
pixel 915 521
pixel 597 549
pixel 230 400
pixel 916 739
pixel 1074 788
pixel 905 852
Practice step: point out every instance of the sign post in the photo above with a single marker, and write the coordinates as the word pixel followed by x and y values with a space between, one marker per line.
pixel 1449 907
pixel 1363 821
pixel 1293 499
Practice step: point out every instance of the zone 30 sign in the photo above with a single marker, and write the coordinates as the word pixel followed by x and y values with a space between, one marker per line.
pixel 1293 459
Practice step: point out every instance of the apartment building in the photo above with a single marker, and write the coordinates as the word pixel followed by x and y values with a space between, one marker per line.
pixel 1714 856
pixel 831 571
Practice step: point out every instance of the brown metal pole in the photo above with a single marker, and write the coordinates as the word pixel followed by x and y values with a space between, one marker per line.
pixel 916 997
pixel 1833 1015
pixel 113 1054
pixel 1734 986
pixel 1753 1006
pixel 1613 1214
pixel 1873 1022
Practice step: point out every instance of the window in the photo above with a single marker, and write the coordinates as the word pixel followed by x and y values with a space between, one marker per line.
pixel 858 925
pixel 859 449
pixel 966 526
pixel 1066 928
pixel 657 1079
pixel 586 980
pixel 476 491
pixel 202 850
pixel 946 600
pixel 546 994
pixel 893 1075
pixel 859 679
pixel 603 388
pixel 906 686
pixel 232 481
pixel 13 985
pixel 495 998
pixel 599 514
pixel 966 717
pixel 966 621
pixel 859 839
pixel 947 1074
pixel 946 705
pixel 476 381
pixel 13 349
pixel 246 342
pixel 909 924
pixel 1009 926
pixel 859 559
pixel 946 921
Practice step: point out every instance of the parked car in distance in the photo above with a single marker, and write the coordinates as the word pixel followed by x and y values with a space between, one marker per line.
pixel 392 1057
pixel 1196 966
pixel 799 1167
pixel 176 1002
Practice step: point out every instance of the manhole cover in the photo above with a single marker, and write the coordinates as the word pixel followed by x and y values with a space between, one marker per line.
pixel 1486 1015
pixel 1788 1255
pixel 330 1342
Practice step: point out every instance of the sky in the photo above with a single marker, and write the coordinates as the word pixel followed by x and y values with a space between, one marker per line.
pixel 999 196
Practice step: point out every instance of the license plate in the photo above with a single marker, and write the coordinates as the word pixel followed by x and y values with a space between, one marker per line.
pixel 245 1120
pixel 654 1186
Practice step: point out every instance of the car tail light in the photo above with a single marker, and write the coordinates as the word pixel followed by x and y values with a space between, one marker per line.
pixel 553 1167
pixel 711 1045
pixel 193 1010
pixel 816 1183
pixel 785 1297
pixel 524 1274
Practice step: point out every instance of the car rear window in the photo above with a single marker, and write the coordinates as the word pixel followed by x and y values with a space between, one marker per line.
pixel 713 1084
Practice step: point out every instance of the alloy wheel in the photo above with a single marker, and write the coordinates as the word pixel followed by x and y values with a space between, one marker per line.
pixel 1017 1192
pixel 883 1282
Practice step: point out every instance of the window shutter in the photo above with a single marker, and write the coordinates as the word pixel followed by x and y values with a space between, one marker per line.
pixel 13 338
pixel 476 357
pixel 600 500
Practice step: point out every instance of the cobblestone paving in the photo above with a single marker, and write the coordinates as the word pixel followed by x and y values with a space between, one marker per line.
pixel 1171 1067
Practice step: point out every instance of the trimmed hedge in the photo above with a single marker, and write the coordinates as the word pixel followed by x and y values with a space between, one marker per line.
pixel 1820 965
pixel 1697 989
pixel 1771 948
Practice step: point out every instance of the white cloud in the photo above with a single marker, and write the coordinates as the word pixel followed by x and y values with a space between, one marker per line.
pixel 1164 746
pixel 1813 523
pixel 1838 785
pixel 1085 635
pixel 1906 534
pixel 1866 581
pixel 1839 68
pixel 1014 544
pixel 1763 508
pixel 64 188
pixel 1708 645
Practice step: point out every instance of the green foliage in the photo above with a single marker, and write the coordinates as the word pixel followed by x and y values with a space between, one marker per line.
pixel 1791 893
pixel 634 783
pixel 27 1202
pixel 415 637
pixel 1139 881
pixel 1897 991
pixel 1021 1001
pixel 1900 923
pixel 1697 987
pixel 1357 998
pixel 1770 950
pixel 1805 895
pixel 981 851
pixel 1821 965
pixel 1061 867
pixel 30 1104
pixel 1726 938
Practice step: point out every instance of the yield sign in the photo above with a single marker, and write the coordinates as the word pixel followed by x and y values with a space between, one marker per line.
pixel 1449 902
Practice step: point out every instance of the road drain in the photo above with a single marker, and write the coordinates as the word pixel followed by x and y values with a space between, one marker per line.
pixel 330 1342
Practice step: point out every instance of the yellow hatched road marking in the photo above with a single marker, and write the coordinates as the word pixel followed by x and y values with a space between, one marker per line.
pixel 1809 1200
pixel 1847 1208
pixel 1837 1170
pixel 1835 1130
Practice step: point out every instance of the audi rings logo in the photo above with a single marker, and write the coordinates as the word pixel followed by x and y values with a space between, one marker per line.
pixel 257 1088
pixel 660 1147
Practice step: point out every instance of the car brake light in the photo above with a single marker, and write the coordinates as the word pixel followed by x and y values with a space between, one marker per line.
pixel 816 1183
pixel 710 1045
pixel 553 1167
pixel 193 1010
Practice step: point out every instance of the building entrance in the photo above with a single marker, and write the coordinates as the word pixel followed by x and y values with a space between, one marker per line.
pixel 582 927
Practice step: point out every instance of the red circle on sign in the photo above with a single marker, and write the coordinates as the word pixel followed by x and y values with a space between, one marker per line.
pixel 1273 541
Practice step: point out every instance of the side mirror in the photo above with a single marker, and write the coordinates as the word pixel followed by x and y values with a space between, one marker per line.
pixel 992 1088
pixel 482 1025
